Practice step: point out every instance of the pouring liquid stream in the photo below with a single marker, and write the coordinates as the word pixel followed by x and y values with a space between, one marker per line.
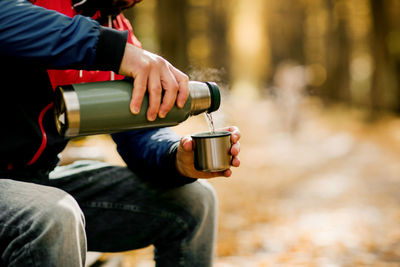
pixel 210 122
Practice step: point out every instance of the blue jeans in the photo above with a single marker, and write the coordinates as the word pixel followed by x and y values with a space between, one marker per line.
pixel 97 207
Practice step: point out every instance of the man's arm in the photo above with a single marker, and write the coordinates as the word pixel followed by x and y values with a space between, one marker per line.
pixel 53 40
pixel 161 153
pixel 152 154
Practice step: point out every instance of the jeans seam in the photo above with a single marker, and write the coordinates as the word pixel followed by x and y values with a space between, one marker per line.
pixel 135 208
pixel 138 209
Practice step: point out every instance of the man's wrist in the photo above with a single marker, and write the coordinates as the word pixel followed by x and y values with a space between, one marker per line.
pixel 170 162
pixel 110 49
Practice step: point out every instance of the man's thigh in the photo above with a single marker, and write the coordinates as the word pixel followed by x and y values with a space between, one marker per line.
pixel 36 221
pixel 19 200
pixel 125 212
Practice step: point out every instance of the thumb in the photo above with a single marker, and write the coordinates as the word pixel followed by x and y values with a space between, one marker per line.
pixel 187 143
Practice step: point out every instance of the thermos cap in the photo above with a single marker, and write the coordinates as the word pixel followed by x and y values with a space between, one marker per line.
pixel 215 96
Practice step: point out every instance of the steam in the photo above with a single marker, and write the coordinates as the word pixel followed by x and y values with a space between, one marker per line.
pixel 217 76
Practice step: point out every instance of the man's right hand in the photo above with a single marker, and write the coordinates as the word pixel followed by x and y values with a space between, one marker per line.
pixel 154 74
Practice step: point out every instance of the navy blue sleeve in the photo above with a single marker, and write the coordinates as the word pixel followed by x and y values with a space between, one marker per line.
pixel 151 154
pixel 53 40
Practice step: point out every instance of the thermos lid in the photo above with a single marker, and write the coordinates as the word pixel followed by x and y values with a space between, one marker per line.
pixel 215 96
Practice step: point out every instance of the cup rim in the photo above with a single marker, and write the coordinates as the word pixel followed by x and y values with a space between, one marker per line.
pixel 208 134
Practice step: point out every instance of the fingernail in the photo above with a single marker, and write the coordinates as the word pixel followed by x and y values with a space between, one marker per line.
pixel 151 118
pixel 135 110
pixel 161 115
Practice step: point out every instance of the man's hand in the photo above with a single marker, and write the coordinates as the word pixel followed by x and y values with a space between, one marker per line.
pixel 185 158
pixel 154 74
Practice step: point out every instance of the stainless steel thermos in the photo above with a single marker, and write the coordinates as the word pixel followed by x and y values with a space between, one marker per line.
pixel 103 107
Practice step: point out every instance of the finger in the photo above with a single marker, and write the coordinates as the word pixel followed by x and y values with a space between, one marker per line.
pixel 183 83
pixel 187 143
pixel 139 89
pixel 170 86
pixel 154 89
pixel 235 136
pixel 227 173
pixel 235 162
pixel 235 149
pixel 235 133
pixel 230 128
pixel 168 102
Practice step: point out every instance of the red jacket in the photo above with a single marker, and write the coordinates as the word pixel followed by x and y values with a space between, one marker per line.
pixel 63 77
pixel 33 40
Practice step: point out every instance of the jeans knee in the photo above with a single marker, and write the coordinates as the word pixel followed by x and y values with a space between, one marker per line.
pixel 192 241
pixel 60 217
pixel 207 197
pixel 202 202
pixel 42 226
pixel 67 212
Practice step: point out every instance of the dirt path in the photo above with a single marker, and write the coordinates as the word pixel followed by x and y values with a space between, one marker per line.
pixel 316 188
pixel 326 194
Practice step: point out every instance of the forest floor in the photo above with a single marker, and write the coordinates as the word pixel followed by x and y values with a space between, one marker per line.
pixel 316 187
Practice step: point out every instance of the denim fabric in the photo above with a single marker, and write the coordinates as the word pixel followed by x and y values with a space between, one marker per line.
pixel 121 210
pixel 39 226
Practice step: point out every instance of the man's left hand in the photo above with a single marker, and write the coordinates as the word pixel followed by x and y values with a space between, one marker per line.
pixel 185 158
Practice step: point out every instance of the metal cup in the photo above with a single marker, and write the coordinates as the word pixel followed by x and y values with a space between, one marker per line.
pixel 212 151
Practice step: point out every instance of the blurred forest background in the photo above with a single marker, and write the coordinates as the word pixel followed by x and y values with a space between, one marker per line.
pixel 349 50
pixel 314 86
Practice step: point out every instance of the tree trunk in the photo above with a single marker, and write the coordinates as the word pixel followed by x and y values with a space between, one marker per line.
pixel 384 94
pixel 172 31
pixel 337 87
